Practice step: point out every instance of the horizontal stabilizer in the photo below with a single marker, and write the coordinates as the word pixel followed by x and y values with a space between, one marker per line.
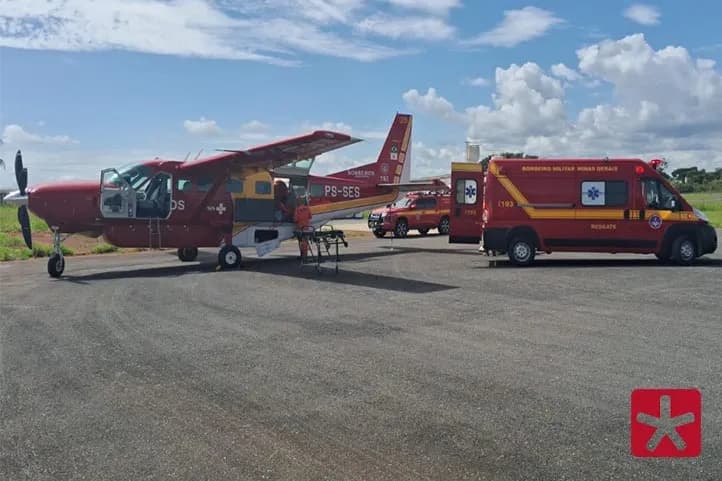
pixel 437 184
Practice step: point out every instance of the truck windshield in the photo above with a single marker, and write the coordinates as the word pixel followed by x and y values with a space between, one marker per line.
pixel 401 203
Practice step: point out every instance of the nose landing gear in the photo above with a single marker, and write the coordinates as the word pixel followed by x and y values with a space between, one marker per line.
pixel 56 262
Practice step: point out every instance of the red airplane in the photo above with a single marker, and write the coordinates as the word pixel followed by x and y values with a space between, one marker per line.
pixel 237 198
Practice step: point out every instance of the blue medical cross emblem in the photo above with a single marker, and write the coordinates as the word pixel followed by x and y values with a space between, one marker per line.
pixel 470 191
pixel 593 193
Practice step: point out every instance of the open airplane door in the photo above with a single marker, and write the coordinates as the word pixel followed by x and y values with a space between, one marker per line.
pixel 467 189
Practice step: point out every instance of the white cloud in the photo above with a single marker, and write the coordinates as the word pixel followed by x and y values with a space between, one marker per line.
pixel 643 14
pixel 665 104
pixel 476 82
pixel 255 130
pixel 431 103
pixel 425 28
pixel 432 6
pixel 562 71
pixel 431 161
pixel 517 27
pixel 15 135
pixel 272 31
pixel 202 126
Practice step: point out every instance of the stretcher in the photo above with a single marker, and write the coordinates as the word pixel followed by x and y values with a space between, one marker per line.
pixel 326 239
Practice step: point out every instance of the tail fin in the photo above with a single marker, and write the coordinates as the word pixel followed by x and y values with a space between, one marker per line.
pixel 393 165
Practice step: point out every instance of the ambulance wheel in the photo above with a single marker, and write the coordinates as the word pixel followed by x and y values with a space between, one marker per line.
pixel 229 257
pixel 521 251
pixel 188 254
pixel 423 231
pixel 402 228
pixel 444 226
pixel 683 251
pixel 379 233
pixel 56 265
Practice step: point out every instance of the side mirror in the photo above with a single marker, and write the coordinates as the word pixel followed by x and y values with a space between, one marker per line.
pixel 412 206
pixel 675 203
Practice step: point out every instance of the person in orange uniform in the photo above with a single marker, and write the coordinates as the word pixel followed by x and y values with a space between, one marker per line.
pixel 302 218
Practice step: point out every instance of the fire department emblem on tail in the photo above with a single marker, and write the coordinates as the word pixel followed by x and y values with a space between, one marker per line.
pixel 394 155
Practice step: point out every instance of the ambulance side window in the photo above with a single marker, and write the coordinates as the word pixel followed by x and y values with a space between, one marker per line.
pixel 599 193
pixel 466 190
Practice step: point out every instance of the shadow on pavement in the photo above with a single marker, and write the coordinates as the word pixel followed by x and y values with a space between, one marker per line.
pixel 596 263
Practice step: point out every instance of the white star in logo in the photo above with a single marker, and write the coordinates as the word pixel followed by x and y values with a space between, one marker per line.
pixel 665 425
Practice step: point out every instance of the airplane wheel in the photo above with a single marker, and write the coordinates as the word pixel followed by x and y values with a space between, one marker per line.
pixel 56 265
pixel 229 257
pixel 423 231
pixel 401 229
pixel 379 233
pixel 188 254
pixel 444 226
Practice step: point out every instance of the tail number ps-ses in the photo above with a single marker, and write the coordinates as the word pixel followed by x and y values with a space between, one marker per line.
pixel 346 191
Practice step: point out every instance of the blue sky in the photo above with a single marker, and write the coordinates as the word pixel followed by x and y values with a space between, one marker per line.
pixel 86 85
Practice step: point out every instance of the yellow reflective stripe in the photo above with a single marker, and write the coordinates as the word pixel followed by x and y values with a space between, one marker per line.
pixel 465 167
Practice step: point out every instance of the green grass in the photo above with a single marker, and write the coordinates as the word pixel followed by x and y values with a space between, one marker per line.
pixel 104 248
pixel 708 202
pixel 9 220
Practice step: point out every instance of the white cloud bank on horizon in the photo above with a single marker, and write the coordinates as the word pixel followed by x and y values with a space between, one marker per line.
pixel 666 103
pixel 271 31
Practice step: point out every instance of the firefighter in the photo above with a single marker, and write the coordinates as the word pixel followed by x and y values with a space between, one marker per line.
pixel 302 218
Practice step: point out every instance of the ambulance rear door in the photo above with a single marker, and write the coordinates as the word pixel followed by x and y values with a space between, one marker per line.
pixel 467 187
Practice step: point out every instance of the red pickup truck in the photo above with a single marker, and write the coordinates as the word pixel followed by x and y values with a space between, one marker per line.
pixel 418 210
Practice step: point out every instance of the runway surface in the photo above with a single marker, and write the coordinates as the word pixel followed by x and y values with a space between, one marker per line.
pixel 419 360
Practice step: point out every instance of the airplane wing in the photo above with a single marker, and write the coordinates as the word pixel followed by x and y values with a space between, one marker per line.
pixel 279 153
pixel 436 184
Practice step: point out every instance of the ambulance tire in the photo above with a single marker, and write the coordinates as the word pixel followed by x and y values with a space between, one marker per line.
pixel 229 257
pixel 444 226
pixel 423 231
pixel 521 251
pixel 188 254
pixel 378 233
pixel 684 251
pixel 402 229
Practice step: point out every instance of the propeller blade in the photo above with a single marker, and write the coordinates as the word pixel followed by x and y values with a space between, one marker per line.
pixel 24 220
pixel 21 173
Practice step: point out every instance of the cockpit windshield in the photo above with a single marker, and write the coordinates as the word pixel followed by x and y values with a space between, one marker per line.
pixel 135 175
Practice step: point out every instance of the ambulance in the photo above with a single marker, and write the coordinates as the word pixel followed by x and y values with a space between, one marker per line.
pixel 524 206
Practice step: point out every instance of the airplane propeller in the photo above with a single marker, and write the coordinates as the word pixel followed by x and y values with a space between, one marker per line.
pixel 21 175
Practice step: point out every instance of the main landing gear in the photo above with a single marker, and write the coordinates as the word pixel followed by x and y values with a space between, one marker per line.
pixel 229 257
pixel 56 262
pixel 188 254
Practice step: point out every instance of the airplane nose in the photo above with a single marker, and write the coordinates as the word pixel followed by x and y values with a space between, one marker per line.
pixel 15 198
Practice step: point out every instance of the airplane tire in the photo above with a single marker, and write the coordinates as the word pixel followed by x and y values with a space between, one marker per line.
pixel 521 251
pixel 379 233
pixel 423 231
pixel 188 254
pixel 402 228
pixel 444 226
pixel 229 257
pixel 56 265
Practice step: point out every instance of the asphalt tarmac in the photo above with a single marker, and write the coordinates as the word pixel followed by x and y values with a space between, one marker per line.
pixel 419 360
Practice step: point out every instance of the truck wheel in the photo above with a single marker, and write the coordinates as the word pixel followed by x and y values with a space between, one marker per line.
pixel 229 257
pixel 521 251
pixel 423 231
pixel 683 251
pixel 444 226
pixel 379 233
pixel 401 229
pixel 187 254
